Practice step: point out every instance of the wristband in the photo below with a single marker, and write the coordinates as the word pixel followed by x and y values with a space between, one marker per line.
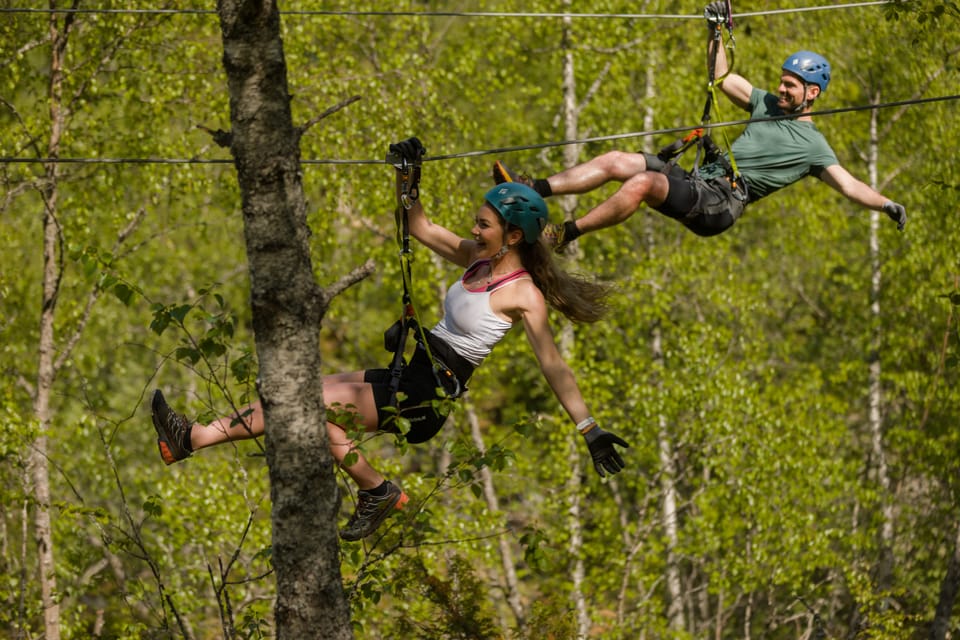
pixel 586 424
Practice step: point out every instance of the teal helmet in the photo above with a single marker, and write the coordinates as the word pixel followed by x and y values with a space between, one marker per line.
pixel 519 205
pixel 811 67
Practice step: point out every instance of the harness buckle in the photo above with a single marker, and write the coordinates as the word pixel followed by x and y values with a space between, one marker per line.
pixel 409 178
pixel 447 379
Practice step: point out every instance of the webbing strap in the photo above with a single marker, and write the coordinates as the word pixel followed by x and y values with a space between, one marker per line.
pixel 670 154
pixel 407 192
pixel 407 195
pixel 714 82
pixel 726 143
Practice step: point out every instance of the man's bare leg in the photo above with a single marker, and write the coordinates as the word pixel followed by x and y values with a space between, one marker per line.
pixel 648 187
pixel 617 166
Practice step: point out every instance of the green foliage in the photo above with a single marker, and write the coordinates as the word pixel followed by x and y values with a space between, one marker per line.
pixel 456 605
pixel 737 367
pixel 550 619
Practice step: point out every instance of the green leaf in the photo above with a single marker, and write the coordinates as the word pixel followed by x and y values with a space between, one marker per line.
pixel 179 313
pixel 124 293
pixel 187 354
pixel 153 506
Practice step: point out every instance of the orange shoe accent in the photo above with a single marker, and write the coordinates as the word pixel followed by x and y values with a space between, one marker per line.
pixel 501 173
pixel 166 454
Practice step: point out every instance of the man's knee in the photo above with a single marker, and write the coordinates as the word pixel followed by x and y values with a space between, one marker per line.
pixel 622 165
pixel 647 187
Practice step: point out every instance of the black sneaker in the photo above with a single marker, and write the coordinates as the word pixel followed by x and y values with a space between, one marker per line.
pixel 173 430
pixel 503 174
pixel 372 511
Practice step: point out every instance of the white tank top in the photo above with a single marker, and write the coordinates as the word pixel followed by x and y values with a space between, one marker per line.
pixel 468 324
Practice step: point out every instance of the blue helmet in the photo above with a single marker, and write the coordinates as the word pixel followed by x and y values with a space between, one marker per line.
pixel 519 205
pixel 811 67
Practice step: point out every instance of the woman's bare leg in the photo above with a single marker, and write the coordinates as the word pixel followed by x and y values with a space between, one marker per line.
pixel 348 391
pixel 244 424
pixel 342 391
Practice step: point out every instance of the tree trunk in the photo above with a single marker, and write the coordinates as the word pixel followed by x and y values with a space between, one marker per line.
pixel 571 154
pixel 878 449
pixel 511 585
pixel 39 473
pixel 948 593
pixel 950 585
pixel 668 509
pixel 668 471
pixel 287 307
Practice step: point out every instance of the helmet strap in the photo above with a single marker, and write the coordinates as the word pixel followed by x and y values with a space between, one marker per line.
pixel 805 103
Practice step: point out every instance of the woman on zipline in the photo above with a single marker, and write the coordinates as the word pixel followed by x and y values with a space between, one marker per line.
pixel 773 152
pixel 510 278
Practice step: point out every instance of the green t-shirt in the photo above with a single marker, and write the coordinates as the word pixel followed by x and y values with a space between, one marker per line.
pixel 772 154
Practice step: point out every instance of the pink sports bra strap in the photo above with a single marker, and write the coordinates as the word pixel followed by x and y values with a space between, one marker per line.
pixel 472 269
pixel 510 277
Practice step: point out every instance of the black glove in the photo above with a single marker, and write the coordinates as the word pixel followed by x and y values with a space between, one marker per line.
pixel 605 457
pixel 715 13
pixel 409 150
pixel 896 212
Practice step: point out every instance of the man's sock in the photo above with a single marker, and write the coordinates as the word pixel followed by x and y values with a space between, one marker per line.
pixel 542 186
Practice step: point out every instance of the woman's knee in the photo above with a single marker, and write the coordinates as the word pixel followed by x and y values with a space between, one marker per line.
pixel 351 406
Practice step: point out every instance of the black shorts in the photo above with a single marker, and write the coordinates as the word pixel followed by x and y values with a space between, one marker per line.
pixel 706 207
pixel 418 384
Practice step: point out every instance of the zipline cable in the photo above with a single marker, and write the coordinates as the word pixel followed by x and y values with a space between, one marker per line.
pixel 716 125
pixel 450 14
pixel 484 152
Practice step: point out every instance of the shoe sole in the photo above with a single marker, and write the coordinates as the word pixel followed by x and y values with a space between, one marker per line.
pixel 501 174
pixel 397 505
pixel 163 443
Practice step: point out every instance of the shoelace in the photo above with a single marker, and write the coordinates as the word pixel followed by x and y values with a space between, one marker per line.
pixel 366 506
pixel 176 427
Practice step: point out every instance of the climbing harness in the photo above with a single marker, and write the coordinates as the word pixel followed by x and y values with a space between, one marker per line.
pixel 707 149
pixel 395 337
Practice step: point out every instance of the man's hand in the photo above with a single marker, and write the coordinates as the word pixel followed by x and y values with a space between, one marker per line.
pixel 605 457
pixel 897 213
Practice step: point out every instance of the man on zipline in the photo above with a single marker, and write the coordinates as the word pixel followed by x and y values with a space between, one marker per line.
pixel 770 154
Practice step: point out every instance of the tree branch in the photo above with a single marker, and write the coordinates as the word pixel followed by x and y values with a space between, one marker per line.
pixel 331 291
pixel 328 112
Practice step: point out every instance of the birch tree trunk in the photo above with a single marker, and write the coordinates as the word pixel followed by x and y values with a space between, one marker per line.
pixel 571 154
pixel 875 397
pixel 287 308
pixel 668 471
pixel 39 473
pixel 511 585
pixel 54 352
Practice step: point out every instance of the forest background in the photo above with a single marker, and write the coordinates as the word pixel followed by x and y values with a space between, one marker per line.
pixel 789 388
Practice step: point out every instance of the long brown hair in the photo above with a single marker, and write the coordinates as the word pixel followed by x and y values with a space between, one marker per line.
pixel 577 297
